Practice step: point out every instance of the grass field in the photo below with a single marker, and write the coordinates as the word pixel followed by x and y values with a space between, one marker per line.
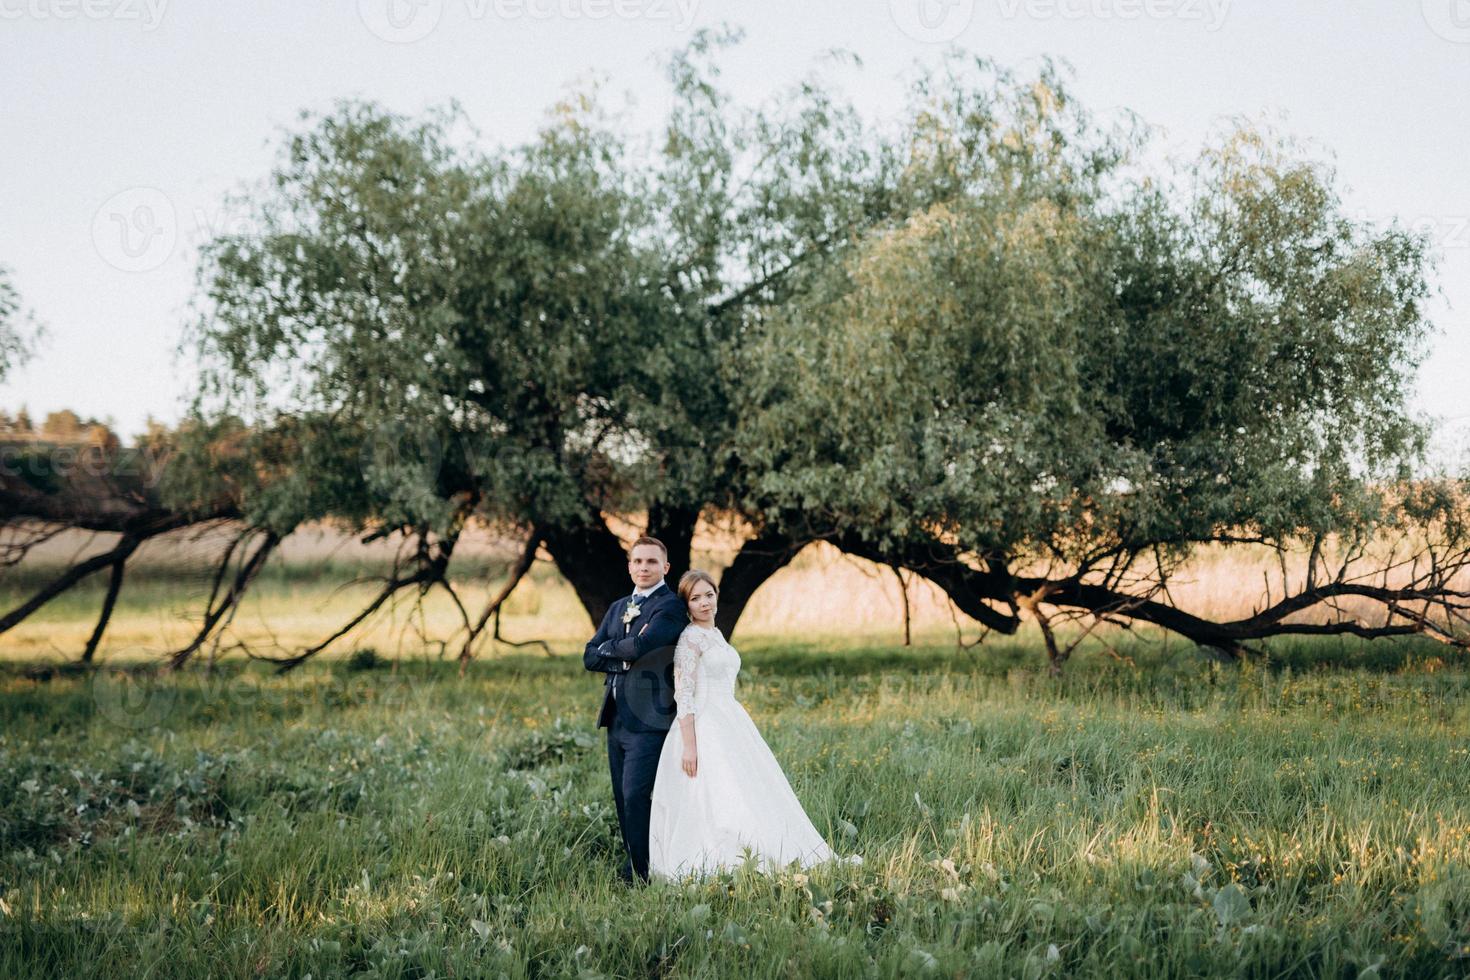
pixel 1305 818
pixel 374 814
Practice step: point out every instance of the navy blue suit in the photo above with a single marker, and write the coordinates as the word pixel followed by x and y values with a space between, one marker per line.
pixel 637 706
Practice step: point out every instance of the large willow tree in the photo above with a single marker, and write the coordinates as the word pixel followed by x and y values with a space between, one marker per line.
pixel 984 341
pixel 419 332
pixel 1049 389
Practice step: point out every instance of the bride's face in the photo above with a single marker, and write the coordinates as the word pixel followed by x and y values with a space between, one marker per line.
pixel 702 603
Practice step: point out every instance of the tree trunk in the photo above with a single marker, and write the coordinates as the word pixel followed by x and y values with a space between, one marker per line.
pixel 674 526
pixel 593 560
pixel 758 559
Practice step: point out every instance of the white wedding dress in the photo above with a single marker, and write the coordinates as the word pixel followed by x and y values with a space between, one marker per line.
pixel 738 798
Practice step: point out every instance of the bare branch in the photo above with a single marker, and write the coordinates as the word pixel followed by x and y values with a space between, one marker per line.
pixel 517 572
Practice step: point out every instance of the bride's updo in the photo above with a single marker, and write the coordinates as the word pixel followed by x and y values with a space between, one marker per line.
pixel 690 579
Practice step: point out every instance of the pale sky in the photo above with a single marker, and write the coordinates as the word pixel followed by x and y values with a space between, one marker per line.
pixel 150 111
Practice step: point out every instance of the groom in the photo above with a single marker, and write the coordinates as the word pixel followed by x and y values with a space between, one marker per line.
pixel 634 647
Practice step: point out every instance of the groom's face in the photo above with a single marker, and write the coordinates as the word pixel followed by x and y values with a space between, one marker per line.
pixel 646 565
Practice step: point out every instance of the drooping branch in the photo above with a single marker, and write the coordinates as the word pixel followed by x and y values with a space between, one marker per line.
pixel 492 608
pixel 1055 653
pixel 908 613
pixel 1269 621
pixel 498 638
pixel 429 563
pixel 121 553
pixel 973 589
pixel 132 536
pixel 22 540
pixel 108 502
pixel 98 498
pixel 219 610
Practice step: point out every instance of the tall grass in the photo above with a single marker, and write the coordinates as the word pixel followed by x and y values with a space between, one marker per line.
pixel 1305 817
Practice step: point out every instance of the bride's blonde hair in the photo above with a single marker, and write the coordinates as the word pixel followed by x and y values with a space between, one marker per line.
pixel 690 579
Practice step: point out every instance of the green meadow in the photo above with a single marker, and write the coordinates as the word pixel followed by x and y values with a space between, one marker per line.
pixel 1303 816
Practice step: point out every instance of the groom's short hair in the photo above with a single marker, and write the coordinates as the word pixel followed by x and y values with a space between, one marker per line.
pixel 647 540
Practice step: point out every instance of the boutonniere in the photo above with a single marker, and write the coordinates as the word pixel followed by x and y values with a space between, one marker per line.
pixel 631 613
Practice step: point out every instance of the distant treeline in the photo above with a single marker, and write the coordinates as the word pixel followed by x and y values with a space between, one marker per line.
pixel 64 426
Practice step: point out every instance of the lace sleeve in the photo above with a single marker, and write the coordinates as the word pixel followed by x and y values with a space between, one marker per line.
pixel 686 666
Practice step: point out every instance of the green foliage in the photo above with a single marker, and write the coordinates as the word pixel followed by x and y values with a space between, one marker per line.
pixel 426 312
pixel 19 331
pixel 417 325
pixel 364 658
pixel 991 323
pixel 1067 354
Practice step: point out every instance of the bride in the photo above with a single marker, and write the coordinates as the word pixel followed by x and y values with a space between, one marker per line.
pixel 719 791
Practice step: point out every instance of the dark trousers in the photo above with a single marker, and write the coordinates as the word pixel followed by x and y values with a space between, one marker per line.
pixel 633 759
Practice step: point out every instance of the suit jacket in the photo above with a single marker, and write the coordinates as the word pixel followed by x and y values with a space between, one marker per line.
pixel 642 694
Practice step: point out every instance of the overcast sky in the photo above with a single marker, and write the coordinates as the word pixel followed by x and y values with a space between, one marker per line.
pixel 124 123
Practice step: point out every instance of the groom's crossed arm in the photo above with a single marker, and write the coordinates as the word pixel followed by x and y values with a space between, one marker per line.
pixel 597 656
pixel 662 630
